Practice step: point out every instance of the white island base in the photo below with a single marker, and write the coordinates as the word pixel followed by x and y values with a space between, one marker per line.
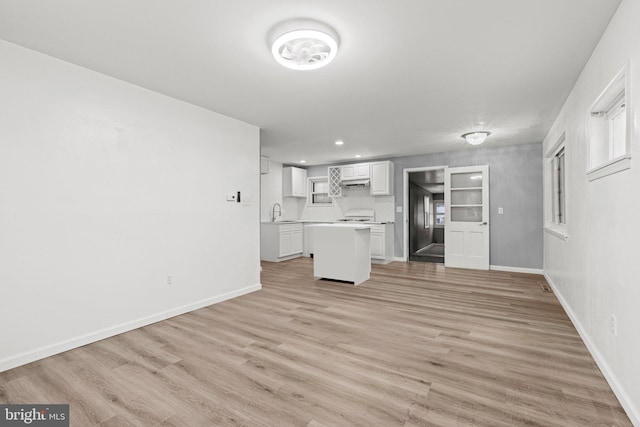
pixel 342 252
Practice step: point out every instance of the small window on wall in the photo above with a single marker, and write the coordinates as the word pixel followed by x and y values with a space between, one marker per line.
pixel 427 212
pixel 610 129
pixel 319 192
pixel 556 194
pixel 558 203
pixel 439 206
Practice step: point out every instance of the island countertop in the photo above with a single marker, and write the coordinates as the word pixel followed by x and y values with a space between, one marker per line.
pixel 357 226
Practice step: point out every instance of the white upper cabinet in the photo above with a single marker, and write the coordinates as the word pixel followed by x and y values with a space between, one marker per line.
pixel 265 165
pixel 356 171
pixel 381 178
pixel 294 182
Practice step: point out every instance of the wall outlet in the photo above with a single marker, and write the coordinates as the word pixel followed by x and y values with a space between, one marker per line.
pixel 169 280
pixel 613 323
pixel 500 211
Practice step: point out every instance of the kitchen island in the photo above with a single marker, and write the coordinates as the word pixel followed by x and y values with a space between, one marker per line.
pixel 342 252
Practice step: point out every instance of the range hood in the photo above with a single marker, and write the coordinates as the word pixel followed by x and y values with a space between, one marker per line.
pixel 353 183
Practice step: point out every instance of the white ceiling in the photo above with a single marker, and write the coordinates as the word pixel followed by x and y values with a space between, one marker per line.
pixel 410 77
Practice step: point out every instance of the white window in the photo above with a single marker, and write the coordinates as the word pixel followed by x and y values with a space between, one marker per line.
pixel 319 192
pixel 439 205
pixel 610 129
pixel 558 177
pixel 427 212
pixel 556 189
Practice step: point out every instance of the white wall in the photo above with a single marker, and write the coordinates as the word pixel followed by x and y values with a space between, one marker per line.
pixel 596 272
pixel 271 193
pixel 105 190
pixel 270 190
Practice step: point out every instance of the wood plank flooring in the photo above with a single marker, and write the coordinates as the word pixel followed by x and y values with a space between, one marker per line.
pixel 416 345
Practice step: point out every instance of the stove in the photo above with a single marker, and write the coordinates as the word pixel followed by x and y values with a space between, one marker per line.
pixel 360 215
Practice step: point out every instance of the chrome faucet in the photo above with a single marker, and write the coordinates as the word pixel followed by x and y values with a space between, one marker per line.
pixel 273 212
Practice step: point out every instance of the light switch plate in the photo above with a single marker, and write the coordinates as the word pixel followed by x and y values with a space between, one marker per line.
pixel 500 211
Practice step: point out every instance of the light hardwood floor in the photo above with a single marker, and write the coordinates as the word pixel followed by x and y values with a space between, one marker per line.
pixel 416 345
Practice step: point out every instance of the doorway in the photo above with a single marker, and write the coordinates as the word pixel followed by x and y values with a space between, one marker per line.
pixel 425 218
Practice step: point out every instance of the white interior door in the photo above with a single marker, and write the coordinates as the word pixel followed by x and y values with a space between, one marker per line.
pixel 466 231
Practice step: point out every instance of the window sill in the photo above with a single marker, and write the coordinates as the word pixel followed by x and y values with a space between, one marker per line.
pixel 609 168
pixel 557 232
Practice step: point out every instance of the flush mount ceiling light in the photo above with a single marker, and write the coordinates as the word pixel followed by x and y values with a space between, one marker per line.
pixel 304 49
pixel 476 138
pixel 339 142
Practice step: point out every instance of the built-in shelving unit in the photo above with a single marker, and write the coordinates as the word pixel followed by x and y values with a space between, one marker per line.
pixel 335 176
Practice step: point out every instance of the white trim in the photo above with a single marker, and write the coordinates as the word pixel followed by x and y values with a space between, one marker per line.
pixel 557 231
pixel 609 168
pixel 516 269
pixel 555 148
pixel 627 404
pixel 405 204
pixel 399 259
pixel 50 350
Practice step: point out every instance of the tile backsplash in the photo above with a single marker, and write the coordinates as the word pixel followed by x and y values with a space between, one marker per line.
pixel 355 198
pixel 294 208
pixel 270 190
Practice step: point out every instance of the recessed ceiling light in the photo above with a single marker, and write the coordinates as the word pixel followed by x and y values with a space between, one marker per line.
pixel 303 161
pixel 304 49
pixel 357 156
pixel 339 142
pixel 476 138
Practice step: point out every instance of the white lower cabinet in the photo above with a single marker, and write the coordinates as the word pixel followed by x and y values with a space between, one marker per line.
pixel 279 242
pixel 382 242
pixel 377 245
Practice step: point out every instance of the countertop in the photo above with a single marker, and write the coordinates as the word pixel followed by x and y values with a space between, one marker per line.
pixel 356 226
pixel 307 221
pixel 344 222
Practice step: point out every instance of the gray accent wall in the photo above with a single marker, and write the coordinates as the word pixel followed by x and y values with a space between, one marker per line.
pixel 515 184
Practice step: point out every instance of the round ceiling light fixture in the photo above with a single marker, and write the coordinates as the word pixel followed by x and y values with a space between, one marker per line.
pixel 476 138
pixel 304 49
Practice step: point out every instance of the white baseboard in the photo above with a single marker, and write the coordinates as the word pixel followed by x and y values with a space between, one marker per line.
pixel 632 411
pixel 399 259
pixel 49 350
pixel 516 269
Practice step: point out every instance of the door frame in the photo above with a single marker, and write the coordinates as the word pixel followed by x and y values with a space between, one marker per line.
pixel 405 204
